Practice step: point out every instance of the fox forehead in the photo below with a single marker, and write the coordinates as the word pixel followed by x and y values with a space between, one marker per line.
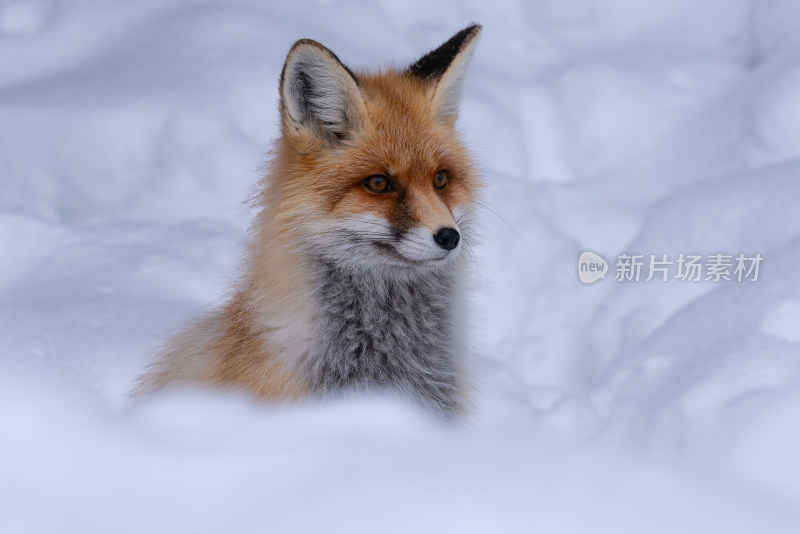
pixel 405 155
pixel 400 136
pixel 396 98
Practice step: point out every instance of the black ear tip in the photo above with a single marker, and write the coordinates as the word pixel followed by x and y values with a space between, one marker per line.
pixel 461 38
pixel 434 64
pixel 473 28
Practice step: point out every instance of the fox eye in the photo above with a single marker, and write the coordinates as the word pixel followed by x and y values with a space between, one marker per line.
pixel 378 183
pixel 440 180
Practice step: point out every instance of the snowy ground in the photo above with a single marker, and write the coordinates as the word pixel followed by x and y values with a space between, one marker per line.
pixel 131 132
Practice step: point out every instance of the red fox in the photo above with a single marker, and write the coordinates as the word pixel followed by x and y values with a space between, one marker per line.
pixel 352 276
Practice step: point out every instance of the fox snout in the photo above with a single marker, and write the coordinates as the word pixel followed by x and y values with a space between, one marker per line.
pixel 421 246
pixel 447 238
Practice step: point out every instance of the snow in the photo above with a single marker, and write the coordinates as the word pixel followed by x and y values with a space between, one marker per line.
pixel 132 134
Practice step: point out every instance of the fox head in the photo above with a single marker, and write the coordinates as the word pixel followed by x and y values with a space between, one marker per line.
pixel 371 171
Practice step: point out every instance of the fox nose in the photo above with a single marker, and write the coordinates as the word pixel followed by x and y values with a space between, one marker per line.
pixel 447 238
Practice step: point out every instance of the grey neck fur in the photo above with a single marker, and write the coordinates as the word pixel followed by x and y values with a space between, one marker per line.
pixel 381 332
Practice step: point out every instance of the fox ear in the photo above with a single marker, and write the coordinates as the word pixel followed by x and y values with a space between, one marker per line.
pixel 319 94
pixel 446 67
